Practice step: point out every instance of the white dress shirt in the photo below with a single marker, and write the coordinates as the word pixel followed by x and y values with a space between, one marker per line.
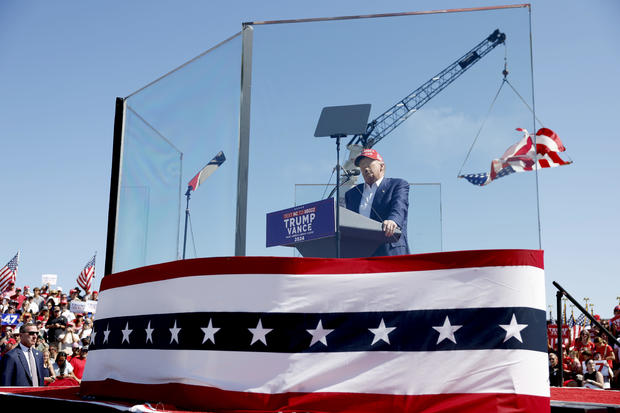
pixel 25 350
pixel 367 197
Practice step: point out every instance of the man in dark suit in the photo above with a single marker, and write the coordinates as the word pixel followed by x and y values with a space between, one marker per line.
pixel 23 366
pixel 383 199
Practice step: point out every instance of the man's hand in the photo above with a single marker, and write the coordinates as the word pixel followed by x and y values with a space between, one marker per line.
pixel 389 227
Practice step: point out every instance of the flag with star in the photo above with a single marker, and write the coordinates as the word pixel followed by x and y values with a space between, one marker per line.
pixel 576 325
pixel 331 335
pixel 524 156
pixel 8 273
pixel 85 278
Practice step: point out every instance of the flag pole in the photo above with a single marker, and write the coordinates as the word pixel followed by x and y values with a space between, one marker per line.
pixel 187 194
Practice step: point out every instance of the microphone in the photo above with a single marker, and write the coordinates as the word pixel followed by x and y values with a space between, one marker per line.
pixel 354 172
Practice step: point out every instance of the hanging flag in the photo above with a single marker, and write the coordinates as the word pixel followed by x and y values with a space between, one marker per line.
pixel 206 171
pixel 522 156
pixel 85 279
pixel 8 273
pixel 456 331
pixel 576 325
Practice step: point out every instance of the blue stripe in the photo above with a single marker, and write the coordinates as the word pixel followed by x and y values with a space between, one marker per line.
pixel 414 331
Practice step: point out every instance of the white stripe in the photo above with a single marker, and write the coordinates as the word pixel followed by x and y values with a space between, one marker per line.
pixel 407 373
pixel 548 142
pixel 514 286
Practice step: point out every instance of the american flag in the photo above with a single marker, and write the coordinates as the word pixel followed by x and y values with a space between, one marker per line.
pixel 523 157
pixel 206 171
pixel 576 325
pixel 8 273
pixel 85 279
pixel 456 331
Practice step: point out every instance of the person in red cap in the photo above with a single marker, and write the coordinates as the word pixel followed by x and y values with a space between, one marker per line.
pixel 382 199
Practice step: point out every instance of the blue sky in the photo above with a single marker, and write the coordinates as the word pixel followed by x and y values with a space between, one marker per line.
pixel 63 64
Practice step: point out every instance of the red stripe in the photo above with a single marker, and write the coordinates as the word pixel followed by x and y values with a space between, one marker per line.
pixel 553 136
pixel 288 265
pixel 207 398
pixel 194 182
pixel 543 163
pixel 555 157
pixel 525 148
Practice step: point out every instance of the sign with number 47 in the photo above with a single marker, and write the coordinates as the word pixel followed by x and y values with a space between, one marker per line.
pixel 9 319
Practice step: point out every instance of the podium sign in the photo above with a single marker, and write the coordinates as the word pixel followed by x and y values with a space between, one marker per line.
pixel 301 223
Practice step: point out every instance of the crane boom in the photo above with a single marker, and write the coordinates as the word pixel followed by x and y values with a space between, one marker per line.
pixel 389 120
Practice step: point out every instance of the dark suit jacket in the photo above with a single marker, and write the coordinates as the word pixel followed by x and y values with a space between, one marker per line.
pixel 391 201
pixel 14 369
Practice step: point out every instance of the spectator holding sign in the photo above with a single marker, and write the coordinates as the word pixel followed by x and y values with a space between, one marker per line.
pixel 593 379
pixel 601 365
pixel 607 353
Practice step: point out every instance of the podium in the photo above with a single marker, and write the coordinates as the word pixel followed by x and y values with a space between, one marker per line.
pixel 359 237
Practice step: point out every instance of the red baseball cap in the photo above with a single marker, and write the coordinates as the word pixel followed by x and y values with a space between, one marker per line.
pixel 368 153
pixel 617 308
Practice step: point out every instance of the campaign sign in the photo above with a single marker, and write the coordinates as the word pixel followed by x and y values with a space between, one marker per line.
pixel 301 223
pixel 90 307
pixel 9 319
pixel 49 279
pixel 77 307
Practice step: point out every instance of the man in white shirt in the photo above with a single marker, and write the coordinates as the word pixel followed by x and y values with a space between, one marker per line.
pixel 382 199
pixel 23 366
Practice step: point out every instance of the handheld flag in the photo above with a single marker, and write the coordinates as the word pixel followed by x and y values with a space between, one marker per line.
pixel 85 279
pixel 522 156
pixel 206 171
pixel 8 273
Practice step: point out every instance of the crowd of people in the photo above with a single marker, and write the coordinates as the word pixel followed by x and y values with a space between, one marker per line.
pixel 60 337
pixel 589 360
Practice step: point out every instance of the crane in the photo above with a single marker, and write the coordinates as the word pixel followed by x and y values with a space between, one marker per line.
pixel 380 127
pixel 389 120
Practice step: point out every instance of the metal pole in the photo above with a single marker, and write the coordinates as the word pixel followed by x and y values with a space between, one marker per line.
pixel 337 196
pixel 586 313
pixel 115 184
pixel 244 141
pixel 187 194
pixel 560 352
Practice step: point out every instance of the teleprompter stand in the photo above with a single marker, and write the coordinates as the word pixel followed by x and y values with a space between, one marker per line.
pixel 338 122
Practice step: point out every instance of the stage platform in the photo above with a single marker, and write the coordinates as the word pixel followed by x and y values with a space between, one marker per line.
pixel 563 400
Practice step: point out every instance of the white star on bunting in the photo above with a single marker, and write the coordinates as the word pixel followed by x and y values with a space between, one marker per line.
pixel 446 331
pixel 149 333
pixel 319 334
pixel 174 333
pixel 381 332
pixel 513 329
pixel 93 334
pixel 126 332
pixel 259 333
pixel 209 332
pixel 106 334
